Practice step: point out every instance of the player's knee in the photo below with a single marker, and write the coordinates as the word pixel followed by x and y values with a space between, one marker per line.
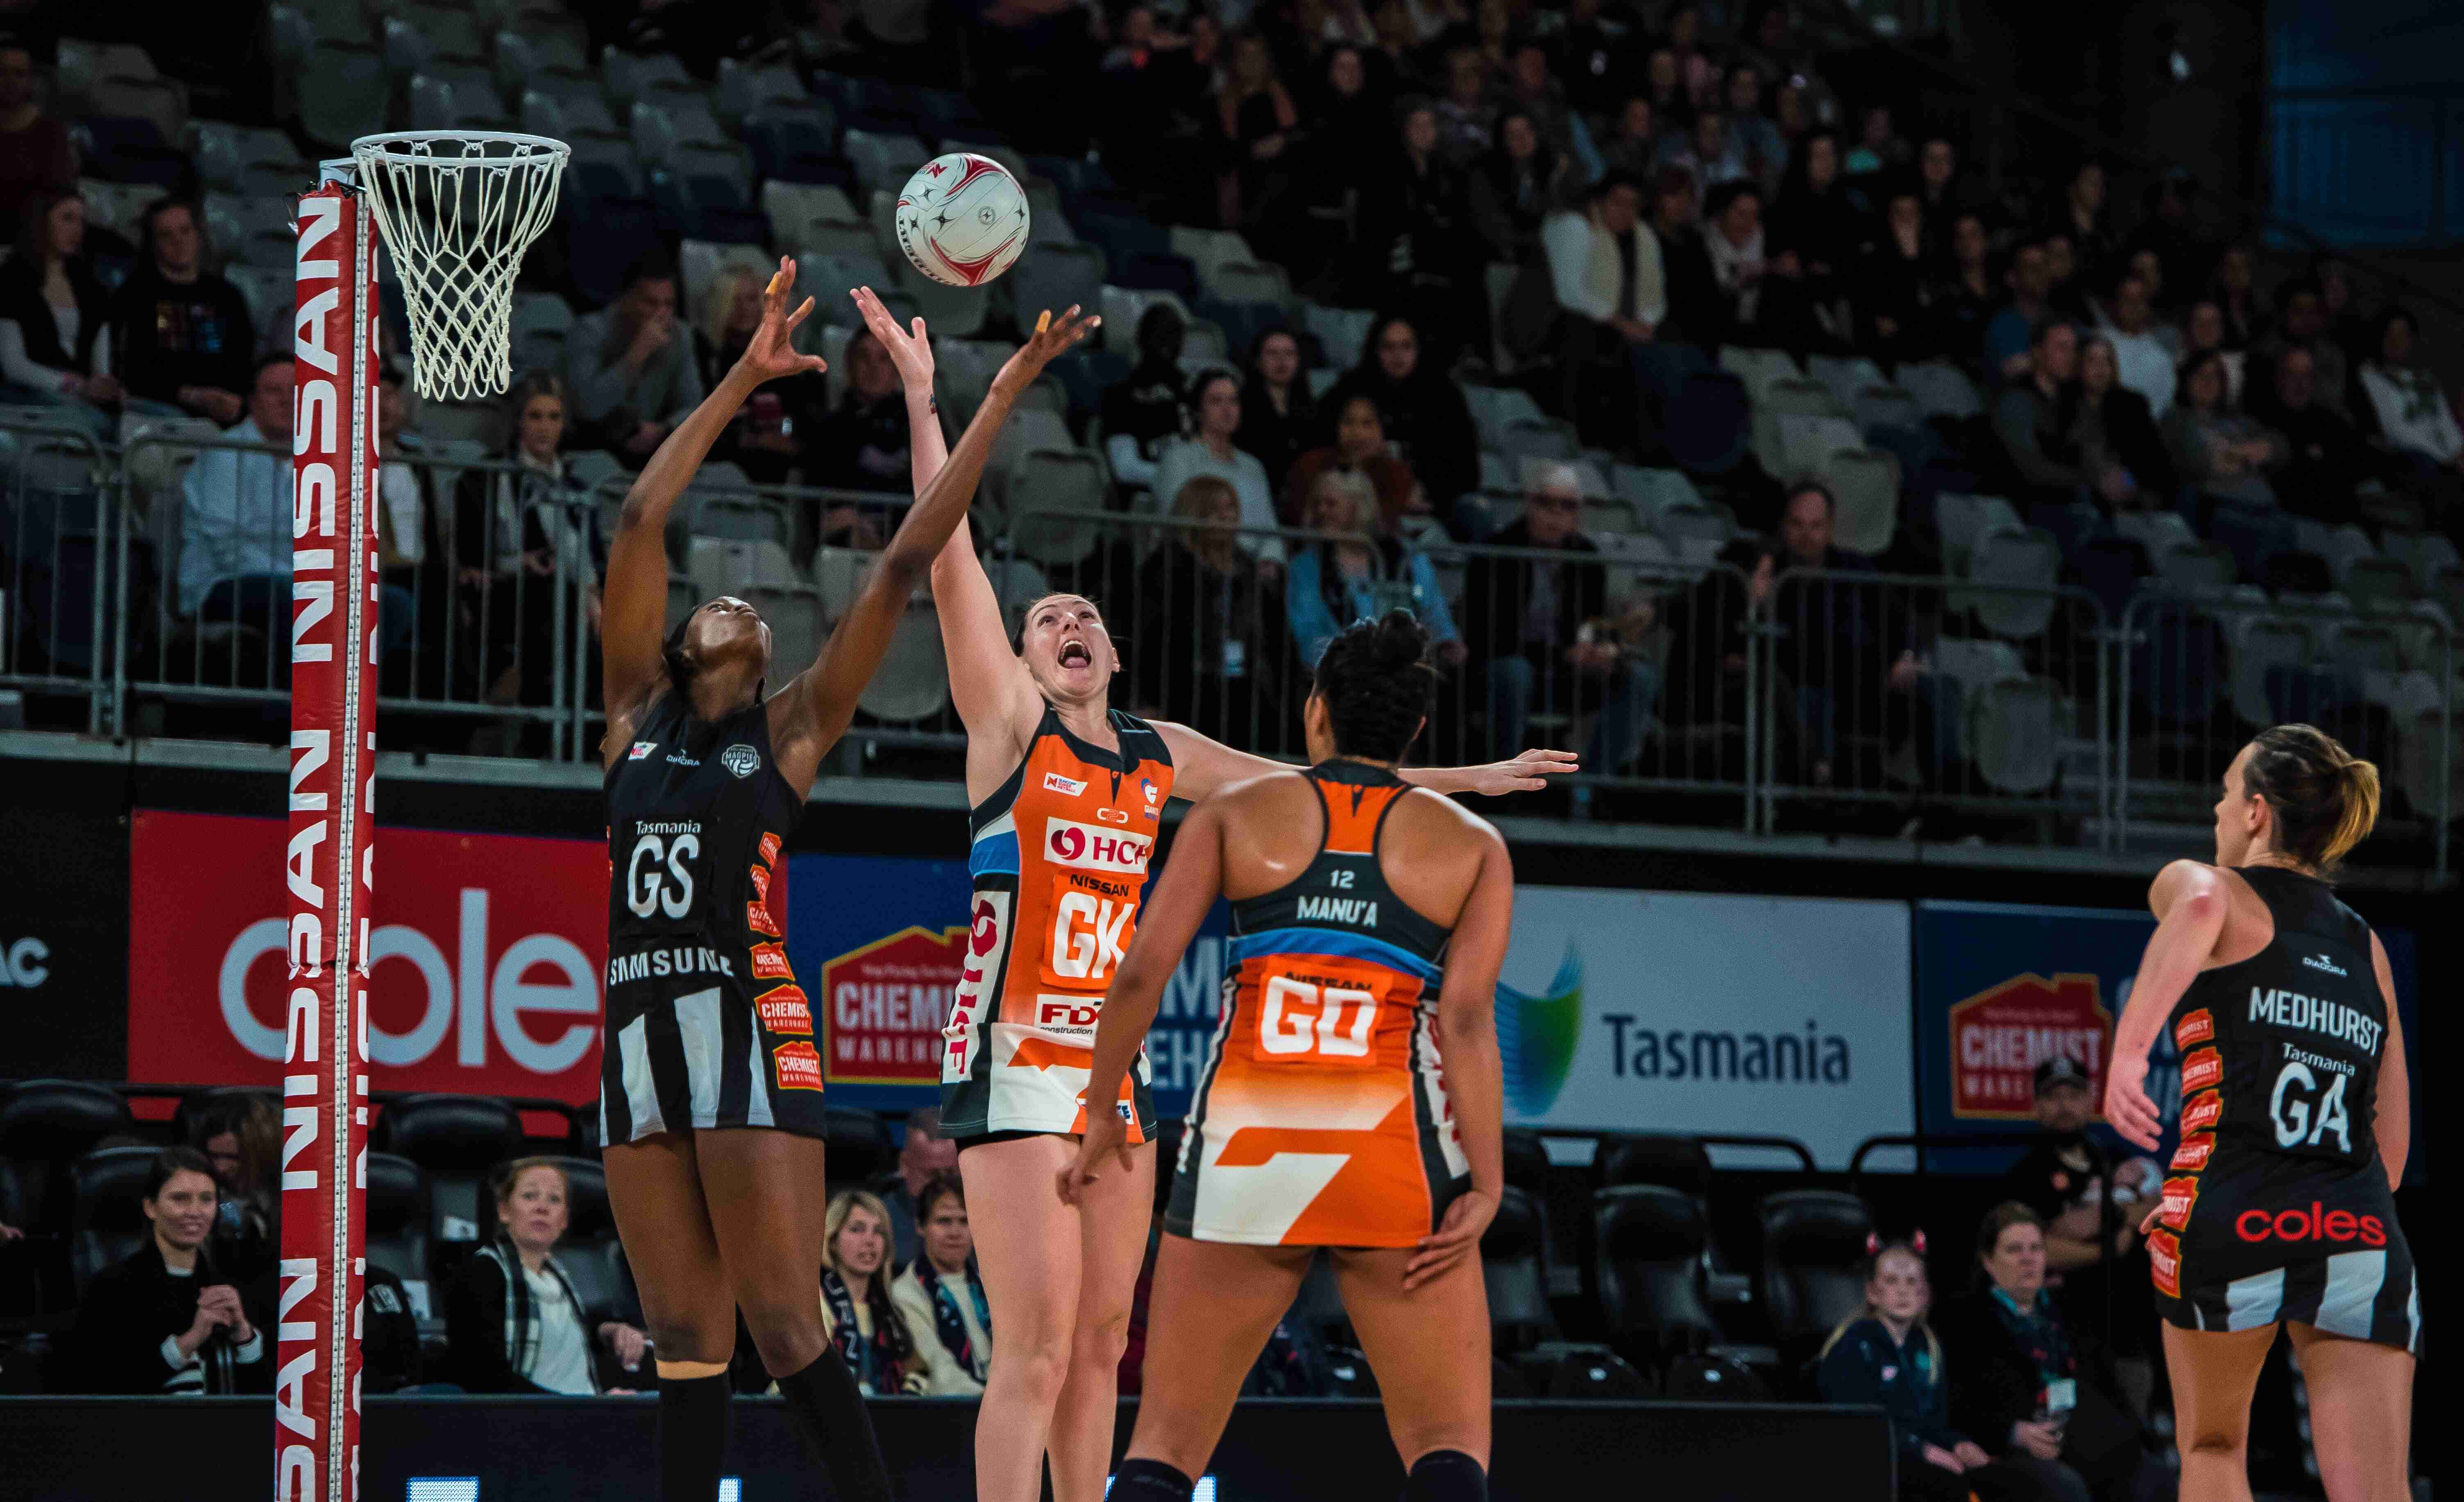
pixel 1446 1475
pixel 787 1331
pixel 1038 1367
pixel 2214 1442
pixel 697 1341
pixel 1101 1336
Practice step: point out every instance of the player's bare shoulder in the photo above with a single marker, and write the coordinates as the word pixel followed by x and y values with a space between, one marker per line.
pixel 1448 817
pixel 1267 795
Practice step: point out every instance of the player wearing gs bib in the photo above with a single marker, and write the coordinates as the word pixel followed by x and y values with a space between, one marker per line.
pixel 711 1088
pixel 1040 723
pixel 1353 1100
pixel 1059 860
pixel 1329 1028
pixel 2278 1208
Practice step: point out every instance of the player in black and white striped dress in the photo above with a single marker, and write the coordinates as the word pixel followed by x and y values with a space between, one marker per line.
pixel 711 1086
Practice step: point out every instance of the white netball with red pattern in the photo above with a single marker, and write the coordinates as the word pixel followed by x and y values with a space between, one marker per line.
pixel 962 220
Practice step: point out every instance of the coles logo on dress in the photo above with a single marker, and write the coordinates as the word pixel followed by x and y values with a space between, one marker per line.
pixel 2313 1223
pixel 2202 1068
pixel 2181 1195
pixel 782 1009
pixel 2165 1260
pixel 486 956
pixel 2194 1152
pixel 2199 1027
pixel 797 1066
pixel 1091 849
pixel 2202 1112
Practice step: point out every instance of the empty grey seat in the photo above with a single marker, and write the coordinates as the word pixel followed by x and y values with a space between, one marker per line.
pixel 2014 733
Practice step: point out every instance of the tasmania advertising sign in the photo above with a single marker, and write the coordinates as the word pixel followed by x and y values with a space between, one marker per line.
pixel 485 958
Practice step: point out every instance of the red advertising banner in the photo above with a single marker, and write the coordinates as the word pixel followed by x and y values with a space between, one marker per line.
pixel 486 959
pixel 2000 1036
pixel 886 1003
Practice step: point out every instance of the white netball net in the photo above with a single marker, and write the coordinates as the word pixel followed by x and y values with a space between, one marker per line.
pixel 457 209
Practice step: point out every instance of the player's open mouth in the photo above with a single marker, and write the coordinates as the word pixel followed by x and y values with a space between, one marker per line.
pixel 1074 654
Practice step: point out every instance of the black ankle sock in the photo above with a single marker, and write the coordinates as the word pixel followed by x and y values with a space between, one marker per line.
pixel 1149 1481
pixel 1446 1475
pixel 825 1407
pixel 694 1413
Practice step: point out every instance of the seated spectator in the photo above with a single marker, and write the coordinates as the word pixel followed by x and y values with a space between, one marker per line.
pixel 630 368
pixel 1209 626
pixel 235 513
pixel 2092 1252
pixel 52 316
pixel 1535 630
pixel 2011 332
pixel 2142 354
pixel 2016 1362
pixel 1693 296
pixel 1258 120
pixel 168 1318
pixel 1515 186
pixel 1278 415
pixel 2149 267
pixel 1150 407
pixel 1813 215
pixel 858 1317
pixel 182 334
pixel 2203 328
pixel 2083 218
pixel 940 1296
pixel 1333 585
pixel 2215 449
pixel 1532 89
pixel 2066 288
pixel 924 1153
pixel 2236 298
pixel 517 533
pixel 1889 1359
pixel 1424 413
pixel 2326 458
pixel 513 1320
pixel 2115 430
pixel 1941 188
pixel 766 438
pixel 2165 230
pixel 1705 152
pixel 1894 284
pixel 1609 293
pixel 1216 397
pixel 2413 411
pixel 2301 324
pixel 1672 102
pixel 1965 297
pixel 241 1137
pixel 862 444
pixel 1879 147
pixel 1766 151
pixel 1847 651
pixel 36 156
pixel 1360 450
pixel 1467 117
pixel 2038 421
pixel 1762 296
pixel 1433 263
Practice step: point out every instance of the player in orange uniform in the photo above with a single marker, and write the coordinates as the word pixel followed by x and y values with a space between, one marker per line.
pixel 1352 1100
pixel 1067 793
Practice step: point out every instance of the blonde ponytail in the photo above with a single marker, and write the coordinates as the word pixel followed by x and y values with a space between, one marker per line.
pixel 2324 798
pixel 2359 782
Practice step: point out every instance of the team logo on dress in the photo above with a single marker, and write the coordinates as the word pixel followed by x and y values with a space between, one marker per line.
pixel 757 918
pixel 769 849
pixel 2203 1111
pixel 2180 1196
pixel 770 963
pixel 641 749
pixel 2165 1261
pixel 2199 1027
pixel 2204 1068
pixel 1055 782
pixel 1154 794
pixel 782 1008
pixel 740 759
pixel 2194 1152
pixel 1085 846
pixel 797 1066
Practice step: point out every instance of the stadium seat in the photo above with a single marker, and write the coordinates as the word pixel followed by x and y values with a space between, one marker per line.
pixel 1760 369
pixel 129 149
pixel 826 280
pixel 1787 396
pixel 701 262
pixel 415 35
pixel 1120 232
pixel 858 1145
pixel 1814 1241
pixel 1122 308
pixel 798 145
pixel 1343 331
pixel 2371 582
pixel 1865 482
pixel 792 206
pixel 1651 1240
pixel 519 58
pixel 2195 568
pixel 1046 481
pixel 622 233
pixel 1804 442
pixel 1843 376
pixel 541 321
pixel 1056 276
pixel 745 90
pixel 631 78
pixel 107 1209
pixel 1669 1161
pixel 959 312
pixel 1708 422
pixel 44 1125
pixel 884 163
pixel 1942 390
pixel 1514 1266
pixel 341 92
pixel 1883 407
pixel 2262 644
pixel 398 1216
pixel 913 683
pixel 2110 568
pixel 2014 733
pixel 1652 491
pixel 459 1140
pixel 2024 560
pixel 1157 270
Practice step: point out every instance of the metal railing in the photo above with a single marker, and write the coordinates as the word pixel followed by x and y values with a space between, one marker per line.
pixel 55 523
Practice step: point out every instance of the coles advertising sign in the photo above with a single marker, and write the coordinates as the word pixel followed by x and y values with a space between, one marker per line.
pixel 1681 1012
pixel 487 955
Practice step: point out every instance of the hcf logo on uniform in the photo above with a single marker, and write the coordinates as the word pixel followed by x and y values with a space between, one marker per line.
pixel 1091 849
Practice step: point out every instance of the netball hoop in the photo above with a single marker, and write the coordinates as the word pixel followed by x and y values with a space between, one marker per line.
pixel 457 211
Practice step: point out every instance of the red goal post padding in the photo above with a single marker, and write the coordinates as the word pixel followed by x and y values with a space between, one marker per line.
pixel 334 585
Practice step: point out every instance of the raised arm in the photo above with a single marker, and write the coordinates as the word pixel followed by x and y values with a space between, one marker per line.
pixel 811 713
pixel 2392 1125
pixel 1191 881
pixel 1202 764
pixel 988 686
pixel 634 599
pixel 1468 1042
pixel 2188 900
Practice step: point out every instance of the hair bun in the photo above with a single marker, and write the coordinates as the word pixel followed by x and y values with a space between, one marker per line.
pixel 1401 641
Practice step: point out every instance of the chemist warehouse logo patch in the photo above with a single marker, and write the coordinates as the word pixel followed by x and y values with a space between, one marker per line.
pixel 782 1009
pixel 797 1066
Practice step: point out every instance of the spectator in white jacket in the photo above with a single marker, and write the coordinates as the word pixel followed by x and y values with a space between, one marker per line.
pixel 2413 412
pixel 1216 398
pixel 1604 266
pixel 940 1296
pixel 236 512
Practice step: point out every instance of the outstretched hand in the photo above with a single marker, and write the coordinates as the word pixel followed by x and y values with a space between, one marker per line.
pixel 1106 1133
pixel 770 352
pixel 1527 773
pixel 1050 338
pixel 910 352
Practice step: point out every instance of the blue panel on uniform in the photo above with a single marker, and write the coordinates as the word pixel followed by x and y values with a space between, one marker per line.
pixel 994 853
pixel 1328 941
